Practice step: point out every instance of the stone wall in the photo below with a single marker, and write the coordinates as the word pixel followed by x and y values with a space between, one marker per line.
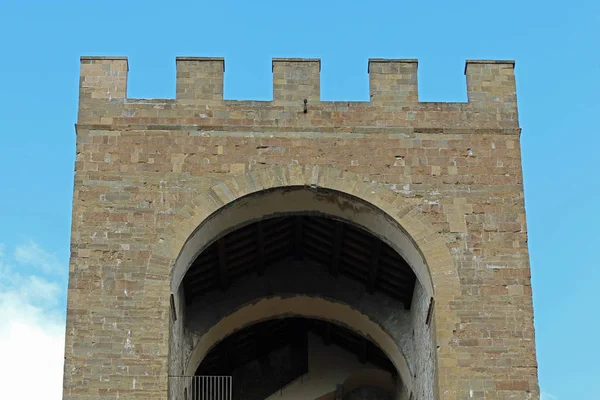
pixel 423 339
pixel 452 168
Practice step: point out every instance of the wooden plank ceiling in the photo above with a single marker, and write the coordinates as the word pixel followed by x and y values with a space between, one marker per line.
pixel 343 248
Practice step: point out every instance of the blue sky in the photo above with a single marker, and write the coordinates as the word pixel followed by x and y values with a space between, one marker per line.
pixel 555 45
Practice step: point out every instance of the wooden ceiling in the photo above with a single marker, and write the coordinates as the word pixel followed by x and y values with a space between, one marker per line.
pixel 343 248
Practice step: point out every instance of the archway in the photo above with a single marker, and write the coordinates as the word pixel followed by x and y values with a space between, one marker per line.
pixel 285 192
pixel 306 201
pixel 299 358
pixel 303 265
pixel 344 248
pixel 311 307
pixel 310 265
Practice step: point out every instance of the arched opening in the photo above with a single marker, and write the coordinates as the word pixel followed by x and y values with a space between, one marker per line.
pixel 343 248
pixel 297 255
pixel 301 200
pixel 299 357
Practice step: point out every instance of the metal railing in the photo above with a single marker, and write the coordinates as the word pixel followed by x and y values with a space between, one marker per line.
pixel 204 387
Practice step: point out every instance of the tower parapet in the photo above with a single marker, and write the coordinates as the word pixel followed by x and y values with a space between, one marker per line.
pixel 394 99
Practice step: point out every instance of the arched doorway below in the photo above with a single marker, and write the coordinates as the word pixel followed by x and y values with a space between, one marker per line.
pixel 301 358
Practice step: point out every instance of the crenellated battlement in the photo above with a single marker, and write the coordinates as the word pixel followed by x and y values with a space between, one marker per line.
pixel 394 99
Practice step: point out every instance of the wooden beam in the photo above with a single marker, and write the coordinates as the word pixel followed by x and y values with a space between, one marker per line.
pixel 299 349
pixel 298 243
pixel 223 273
pixel 327 335
pixel 299 331
pixel 362 356
pixel 260 245
pixel 227 357
pixel 339 392
pixel 374 265
pixel 262 350
pixel 337 248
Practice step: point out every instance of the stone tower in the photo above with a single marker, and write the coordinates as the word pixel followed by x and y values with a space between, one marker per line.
pixel 297 248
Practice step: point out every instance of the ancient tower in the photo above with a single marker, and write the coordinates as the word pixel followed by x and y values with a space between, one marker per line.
pixel 295 248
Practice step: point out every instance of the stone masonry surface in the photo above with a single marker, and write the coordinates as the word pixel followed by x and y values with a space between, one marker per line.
pixel 141 162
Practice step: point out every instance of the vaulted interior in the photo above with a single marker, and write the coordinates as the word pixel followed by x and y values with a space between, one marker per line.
pixel 302 293
pixel 270 355
pixel 343 248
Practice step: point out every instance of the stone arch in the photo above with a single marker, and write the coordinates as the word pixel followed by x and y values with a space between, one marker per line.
pixel 308 307
pixel 439 270
pixel 438 274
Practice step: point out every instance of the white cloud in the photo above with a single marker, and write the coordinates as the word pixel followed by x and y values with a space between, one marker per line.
pixel 31 289
pixel 32 329
pixel 31 253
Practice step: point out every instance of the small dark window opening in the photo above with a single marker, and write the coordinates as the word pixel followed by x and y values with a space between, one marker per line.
pixel 173 308
pixel 430 311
